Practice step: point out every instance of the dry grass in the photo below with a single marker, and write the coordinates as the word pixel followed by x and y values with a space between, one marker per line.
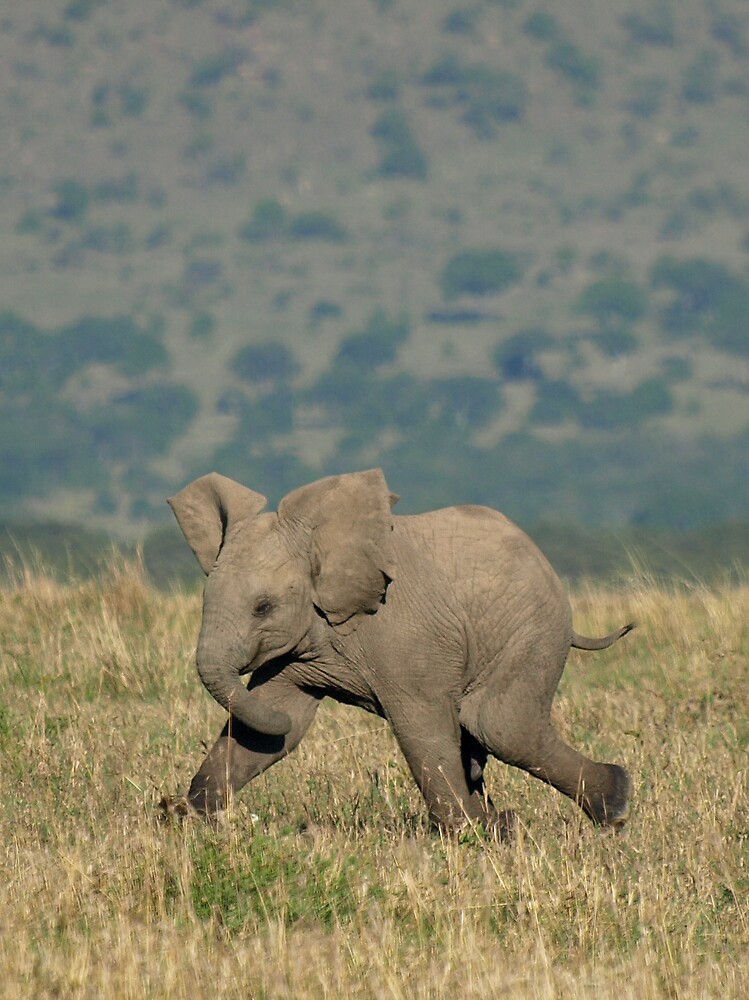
pixel 325 881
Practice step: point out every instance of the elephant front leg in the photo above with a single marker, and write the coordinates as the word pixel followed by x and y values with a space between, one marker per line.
pixel 447 772
pixel 241 753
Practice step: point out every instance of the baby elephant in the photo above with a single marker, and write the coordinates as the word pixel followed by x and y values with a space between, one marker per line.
pixel 451 625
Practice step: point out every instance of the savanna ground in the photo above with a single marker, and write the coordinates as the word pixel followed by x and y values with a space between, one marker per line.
pixel 325 880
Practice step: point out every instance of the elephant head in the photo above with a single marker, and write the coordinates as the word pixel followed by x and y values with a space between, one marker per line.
pixel 326 552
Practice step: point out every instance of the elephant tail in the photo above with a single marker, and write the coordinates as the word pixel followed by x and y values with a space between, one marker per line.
pixel 584 642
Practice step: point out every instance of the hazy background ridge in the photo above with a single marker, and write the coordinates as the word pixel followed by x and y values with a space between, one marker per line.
pixel 498 248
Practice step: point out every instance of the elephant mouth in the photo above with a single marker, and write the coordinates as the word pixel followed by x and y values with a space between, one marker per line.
pixel 273 662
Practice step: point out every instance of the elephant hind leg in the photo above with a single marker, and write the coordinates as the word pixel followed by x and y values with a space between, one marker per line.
pixel 601 790
pixel 528 740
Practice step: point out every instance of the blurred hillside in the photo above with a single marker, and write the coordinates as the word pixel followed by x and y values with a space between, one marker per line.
pixel 500 248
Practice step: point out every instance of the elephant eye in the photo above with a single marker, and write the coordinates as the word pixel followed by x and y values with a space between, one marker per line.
pixel 263 608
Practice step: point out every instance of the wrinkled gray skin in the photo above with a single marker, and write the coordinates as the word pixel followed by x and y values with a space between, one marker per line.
pixel 451 625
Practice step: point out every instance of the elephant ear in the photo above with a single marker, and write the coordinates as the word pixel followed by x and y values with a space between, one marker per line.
pixel 348 526
pixel 208 508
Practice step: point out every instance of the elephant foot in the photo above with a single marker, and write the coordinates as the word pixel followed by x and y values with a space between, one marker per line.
pixel 498 826
pixel 173 807
pixel 610 808
pixel 179 808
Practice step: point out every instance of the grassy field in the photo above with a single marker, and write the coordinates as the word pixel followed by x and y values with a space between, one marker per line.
pixel 325 880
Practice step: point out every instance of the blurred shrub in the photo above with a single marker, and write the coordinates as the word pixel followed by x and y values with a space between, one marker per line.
pixel 201 327
pixel 36 362
pixel 202 272
pixel 653 24
pixel 400 152
pixel 567 59
pixel 322 310
pixel 720 197
pixel 354 391
pixel 542 26
pixel 115 340
pixel 44 444
pixel 728 28
pixel 242 13
pixel 685 138
pixel 117 239
pixel 615 340
pixel 271 361
pixel 317 225
pixel 447 71
pixel 493 96
pixel 480 272
pixel 26 361
pixel 118 189
pixel 700 83
pixel 677 224
pixel 484 95
pixel 202 142
pixel 271 221
pixel 72 200
pixel 458 316
pixel 231 403
pixel 266 417
pixel 197 103
pixel 159 236
pixel 133 100
pixel 556 402
pixel 611 411
pixel 57 35
pixel 375 345
pixel 612 301
pixel 227 169
pixel 211 70
pixel 706 297
pixel 385 88
pixel 344 393
pixel 110 101
pixel 677 369
pixel 517 357
pixel 469 400
pixel 461 21
pixel 32 221
pixel 607 261
pixel 268 222
pixel 81 10
pixel 143 422
pixel 646 96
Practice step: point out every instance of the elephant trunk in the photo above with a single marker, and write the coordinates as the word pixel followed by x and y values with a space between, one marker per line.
pixel 219 673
